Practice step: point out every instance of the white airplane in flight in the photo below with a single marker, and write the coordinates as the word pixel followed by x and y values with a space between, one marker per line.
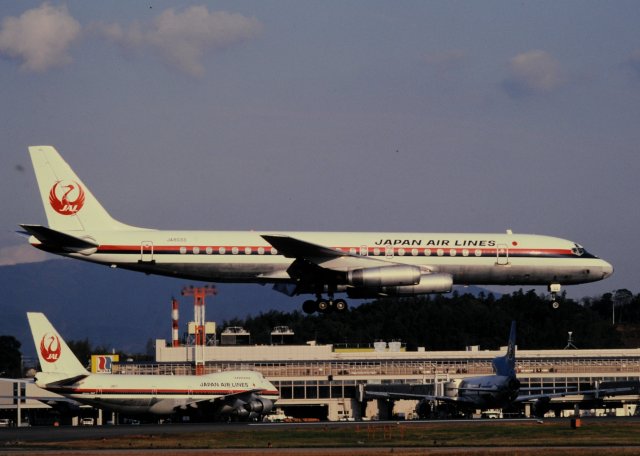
pixel 241 394
pixel 364 265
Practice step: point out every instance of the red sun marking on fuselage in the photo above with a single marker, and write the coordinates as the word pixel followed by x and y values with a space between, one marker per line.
pixel 66 197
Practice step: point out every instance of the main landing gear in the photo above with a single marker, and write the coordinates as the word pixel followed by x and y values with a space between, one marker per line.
pixel 324 305
pixel 554 289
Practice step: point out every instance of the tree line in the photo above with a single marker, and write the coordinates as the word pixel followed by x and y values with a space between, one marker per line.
pixel 453 322
pixel 436 322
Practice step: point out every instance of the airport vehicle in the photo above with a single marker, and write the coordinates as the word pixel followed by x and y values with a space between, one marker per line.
pixel 364 265
pixel 235 394
pixel 489 392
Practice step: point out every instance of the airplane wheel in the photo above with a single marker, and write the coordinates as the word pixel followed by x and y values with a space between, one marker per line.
pixel 341 305
pixel 309 306
pixel 323 305
pixel 555 304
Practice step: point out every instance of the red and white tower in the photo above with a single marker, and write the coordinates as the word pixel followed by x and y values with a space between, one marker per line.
pixel 175 327
pixel 199 294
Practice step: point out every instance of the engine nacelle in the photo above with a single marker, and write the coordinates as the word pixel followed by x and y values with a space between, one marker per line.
pixel 259 405
pixel 451 388
pixel 384 276
pixel 429 283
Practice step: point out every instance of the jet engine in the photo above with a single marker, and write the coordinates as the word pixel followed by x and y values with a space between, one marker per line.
pixel 384 276
pixel 259 405
pixel 246 409
pixel 428 283
pixel 451 388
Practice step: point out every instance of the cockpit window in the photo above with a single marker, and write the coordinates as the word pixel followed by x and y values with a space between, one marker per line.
pixel 577 250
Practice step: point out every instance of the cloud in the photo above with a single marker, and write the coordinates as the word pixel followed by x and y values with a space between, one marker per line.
pixel 19 254
pixel 533 72
pixel 40 37
pixel 183 39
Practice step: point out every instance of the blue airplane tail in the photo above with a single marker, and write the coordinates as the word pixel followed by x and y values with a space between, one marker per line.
pixel 506 365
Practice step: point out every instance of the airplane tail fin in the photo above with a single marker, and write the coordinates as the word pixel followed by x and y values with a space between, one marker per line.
pixel 68 202
pixel 506 365
pixel 54 354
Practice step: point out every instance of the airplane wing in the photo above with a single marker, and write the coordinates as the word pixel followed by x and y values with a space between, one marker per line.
pixel 244 404
pixel 58 240
pixel 413 396
pixel 324 257
pixel 592 393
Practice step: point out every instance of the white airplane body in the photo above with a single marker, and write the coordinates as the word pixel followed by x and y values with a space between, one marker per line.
pixel 498 391
pixel 360 264
pixel 244 394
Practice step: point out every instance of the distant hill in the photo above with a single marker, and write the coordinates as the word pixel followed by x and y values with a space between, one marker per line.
pixel 118 308
pixel 113 307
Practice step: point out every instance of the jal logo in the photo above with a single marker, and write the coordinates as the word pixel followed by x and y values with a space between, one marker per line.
pixel 66 197
pixel 50 348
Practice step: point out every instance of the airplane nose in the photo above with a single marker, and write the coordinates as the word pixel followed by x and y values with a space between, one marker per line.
pixel 607 269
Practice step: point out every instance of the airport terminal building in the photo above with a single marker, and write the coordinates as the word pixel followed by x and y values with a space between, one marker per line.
pixel 330 382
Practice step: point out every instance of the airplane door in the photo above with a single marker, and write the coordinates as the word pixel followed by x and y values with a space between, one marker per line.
pixel 502 254
pixel 146 252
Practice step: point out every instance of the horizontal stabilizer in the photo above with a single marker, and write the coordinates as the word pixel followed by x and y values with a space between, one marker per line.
pixel 58 240
pixel 67 381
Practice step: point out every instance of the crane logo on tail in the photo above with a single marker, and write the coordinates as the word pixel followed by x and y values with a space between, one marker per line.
pixel 50 348
pixel 66 197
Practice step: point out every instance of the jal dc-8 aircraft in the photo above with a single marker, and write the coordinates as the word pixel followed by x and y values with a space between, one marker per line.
pixel 241 394
pixel 364 265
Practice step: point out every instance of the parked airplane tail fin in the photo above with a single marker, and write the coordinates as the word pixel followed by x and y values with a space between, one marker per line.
pixel 68 202
pixel 54 354
pixel 506 365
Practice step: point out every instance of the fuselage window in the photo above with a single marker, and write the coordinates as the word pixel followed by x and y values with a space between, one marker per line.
pixel 247 250
pixel 183 250
pixel 376 251
pixel 274 251
pixel 401 252
pixel 353 251
pixel 465 252
pixel 260 250
pixel 196 250
pixel 478 252
pixel 234 250
pixel 209 250
pixel 440 252
pixel 222 250
pixel 414 252
pixel 427 252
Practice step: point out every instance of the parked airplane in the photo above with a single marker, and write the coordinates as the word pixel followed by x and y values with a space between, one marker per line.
pixel 497 391
pixel 364 265
pixel 238 394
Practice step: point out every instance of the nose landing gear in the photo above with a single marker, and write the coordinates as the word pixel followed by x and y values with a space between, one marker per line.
pixel 554 289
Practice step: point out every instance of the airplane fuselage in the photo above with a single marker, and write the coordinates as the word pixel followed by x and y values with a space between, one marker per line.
pixel 232 256
pixel 158 394
pixel 364 265
pixel 492 391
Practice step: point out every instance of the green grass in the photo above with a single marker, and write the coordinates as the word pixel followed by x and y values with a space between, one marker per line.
pixel 524 435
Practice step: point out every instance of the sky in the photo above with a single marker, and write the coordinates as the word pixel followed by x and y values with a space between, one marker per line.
pixel 410 116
